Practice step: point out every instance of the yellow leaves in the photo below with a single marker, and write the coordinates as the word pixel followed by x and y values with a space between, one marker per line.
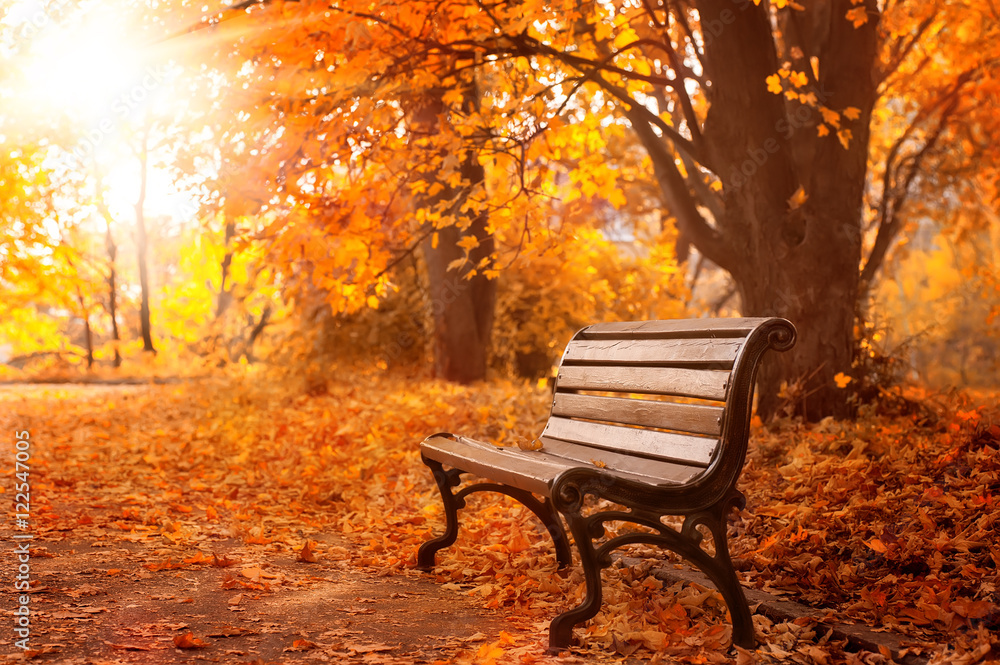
pixel 842 380
pixel 808 98
pixel 603 27
pixel 796 79
pixel 453 97
pixel 852 113
pixel 822 130
pixel 489 653
pixel 468 242
pixel 641 66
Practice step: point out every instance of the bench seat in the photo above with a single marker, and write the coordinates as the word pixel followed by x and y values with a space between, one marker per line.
pixel 536 470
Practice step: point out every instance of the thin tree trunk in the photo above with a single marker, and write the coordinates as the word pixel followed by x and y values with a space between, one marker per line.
pixel 89 336
pixel 141 241
pixel 225 290
pixel 112 249
pixel 113 292
pixel 258 328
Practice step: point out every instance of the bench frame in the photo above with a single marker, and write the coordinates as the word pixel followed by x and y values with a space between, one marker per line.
pixel 704 501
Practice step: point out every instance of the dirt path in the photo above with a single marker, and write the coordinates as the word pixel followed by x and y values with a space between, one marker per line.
pixel 103 604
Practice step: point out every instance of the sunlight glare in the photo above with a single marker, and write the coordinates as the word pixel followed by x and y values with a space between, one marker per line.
pixel 80 69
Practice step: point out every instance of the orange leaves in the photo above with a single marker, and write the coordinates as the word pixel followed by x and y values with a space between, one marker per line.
pixel 875 489
pixel 221 562
pixel 199 558
pixel 883 520
pixel 972 609
pixel 306 554
pixel 189 641
pixel 169 564
pixel 857 15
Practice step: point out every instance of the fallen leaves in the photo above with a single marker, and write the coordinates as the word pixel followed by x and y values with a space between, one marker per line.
pixel 889 521
pixel 306 554
pixel 189 641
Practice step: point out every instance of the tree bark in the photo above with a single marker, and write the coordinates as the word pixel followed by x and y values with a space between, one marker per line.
pixel 140 242
pixel 462 306
pixel 462 309
pixel 225 290
pixel 799 261
pixel 113 292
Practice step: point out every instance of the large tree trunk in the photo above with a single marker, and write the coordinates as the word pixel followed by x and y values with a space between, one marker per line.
pixel 790 255
pixel 462 307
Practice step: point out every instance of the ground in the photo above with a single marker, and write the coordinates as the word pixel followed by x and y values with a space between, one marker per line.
pixel 98 601
pixel 234 521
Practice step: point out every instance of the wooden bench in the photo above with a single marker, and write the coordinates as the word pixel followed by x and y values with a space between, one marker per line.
pixel 653 416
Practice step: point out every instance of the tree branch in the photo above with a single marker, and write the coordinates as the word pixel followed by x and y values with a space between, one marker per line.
pixel 894 198
pixel 678 196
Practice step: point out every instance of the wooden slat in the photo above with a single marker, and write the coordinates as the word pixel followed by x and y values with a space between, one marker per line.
pixel 711 328
pixel 704 384
pixel 695 418
pixel 651 471
pixel 510 466
pixel 653 351
pixel 662 445
pixel 535 470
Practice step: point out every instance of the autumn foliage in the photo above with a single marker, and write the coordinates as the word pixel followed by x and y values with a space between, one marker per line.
pixel 331 229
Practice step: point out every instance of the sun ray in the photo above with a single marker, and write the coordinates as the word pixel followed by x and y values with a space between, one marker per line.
pixel 80 66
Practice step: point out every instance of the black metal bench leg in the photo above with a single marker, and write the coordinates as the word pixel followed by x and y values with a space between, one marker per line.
pixel 445 481
pixel 723 574
pixel 561 628
pixel 564 555
pixel 719 568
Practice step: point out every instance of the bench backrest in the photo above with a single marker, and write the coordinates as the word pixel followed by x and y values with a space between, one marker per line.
pixel 668 390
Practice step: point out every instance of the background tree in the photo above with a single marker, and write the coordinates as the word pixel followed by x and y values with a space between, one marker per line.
pixel 755 117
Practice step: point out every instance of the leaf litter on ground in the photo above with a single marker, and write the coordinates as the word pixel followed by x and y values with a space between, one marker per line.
pixel 889 521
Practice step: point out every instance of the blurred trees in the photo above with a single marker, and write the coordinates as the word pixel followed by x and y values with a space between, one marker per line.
pixel 470 170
